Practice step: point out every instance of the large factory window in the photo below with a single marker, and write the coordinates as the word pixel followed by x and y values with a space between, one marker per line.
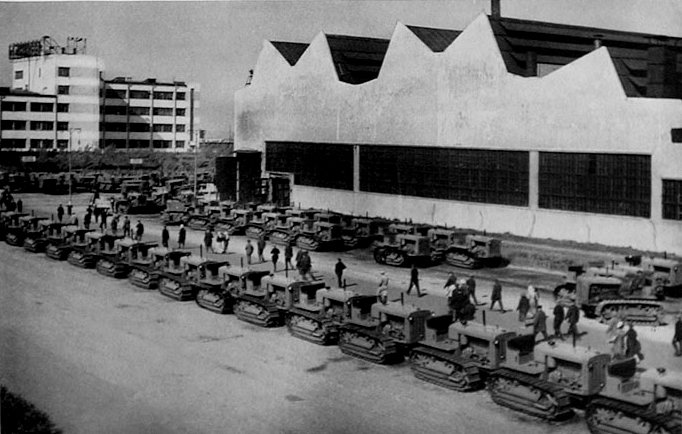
pixel 599 183
pixel 313 164
pixel 672 199
pixel 470 175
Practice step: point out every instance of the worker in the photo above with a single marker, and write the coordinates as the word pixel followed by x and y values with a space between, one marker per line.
pixel 338 270
pixel 540 323
pixel 288 254
pixel 60 212
pixel 618 341
pixel 452 280
pixel 139 231
pixel 208 240
pixel 249 251
pixel 165 236
pixel 632 346
pixel 572 317
pixel 677 337
pixel 261 248
pixel 382 291
pixel 523 307
pixel 414 280
pixel 558 319
pixel 471 285
pixel 496 296
pixel 182 234
pixel 275 257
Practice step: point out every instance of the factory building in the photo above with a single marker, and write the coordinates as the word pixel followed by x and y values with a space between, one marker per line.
pixel 531 128
pixel 58 95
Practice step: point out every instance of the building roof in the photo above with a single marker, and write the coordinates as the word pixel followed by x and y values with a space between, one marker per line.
pixel 291 51
pixel 147 81
pixel 356 59
pixel 6 91
pixel 436 39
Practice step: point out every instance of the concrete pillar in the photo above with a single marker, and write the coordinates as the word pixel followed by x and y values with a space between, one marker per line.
pixel 356 168
pixel 533 171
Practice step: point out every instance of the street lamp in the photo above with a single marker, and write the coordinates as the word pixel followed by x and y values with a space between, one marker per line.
pixel 71 130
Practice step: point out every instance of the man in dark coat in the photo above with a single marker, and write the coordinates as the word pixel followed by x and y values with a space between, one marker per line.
pixel 558 319
pixel 126 226
pixel 305 265
pixel 572 317
pixel 20 205
pixel 414 280
pixel 677 337
pixel 86 220
pixel 275 257
pixel 338 270
pixel 165 236
pixel 249 251
pixel 182 234
pixel 288 254
pixel 60 212
pixel 523 307
pixel 540 323
pixel 139 230
pixel 496 296
pixel 208 241
pixel 471 284
pixel 632 346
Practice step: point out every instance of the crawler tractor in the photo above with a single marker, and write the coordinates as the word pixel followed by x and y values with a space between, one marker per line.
pixel 14 227
pixel 236 223
pixel 181 271
pixel 263 221
pixel 205 215
pixel 109 263
pixel 85 252
pixel 144 271
pixel 27 223
pixel 317 315
pixel 402 249
pixel 667 273
pixel 466 250
pixel 207 281
pixel 59 247
pixel 49 231
pixel 267 304
pixel 234 281
pixel 361 231
pixel 381 333
pixel 134 255
pixel 175 213
pixel 323 233
pixel 459 356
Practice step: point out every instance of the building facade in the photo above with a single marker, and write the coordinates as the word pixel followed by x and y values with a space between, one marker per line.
pixel 528 128
pixel 60 95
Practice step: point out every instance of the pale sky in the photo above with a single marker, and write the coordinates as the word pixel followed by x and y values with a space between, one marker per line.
pixel 216 43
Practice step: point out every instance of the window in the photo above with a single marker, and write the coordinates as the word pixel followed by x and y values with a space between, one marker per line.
pixel 163 111
pixel 42 106
pixel 140 94
pixel 179 143
pixel 139 127
pixel 119 110
pixel 115 93
pixel 13 143
pixel 13 125
pixel 63 90
pixel 314 164
pixel 163 95
pixel 163 128
pixel 616 184
pixel 41 143
pixel 180 128
pixel 115 126
pixel 676 135
pixel 139 111
pixel 180 112
pixel 118 143
pixel 138 144
pixel 14 106
pixel 469 175
pixel 180 96
pixel 18 75
pixel 162 144
pixel 62 108
pixel 42 126
pixel 62 144
pixel 64 72
pixel 62 126
pixel 672 199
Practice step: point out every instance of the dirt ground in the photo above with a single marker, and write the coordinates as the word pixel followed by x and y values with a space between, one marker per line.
pixel 99 355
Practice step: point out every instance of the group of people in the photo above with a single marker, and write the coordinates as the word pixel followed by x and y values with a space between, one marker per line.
pixel 624 343
pixel 222 240
pixel 7 202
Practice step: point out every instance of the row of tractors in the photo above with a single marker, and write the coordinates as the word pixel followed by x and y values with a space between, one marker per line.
pixel 394 243
pixel 547 380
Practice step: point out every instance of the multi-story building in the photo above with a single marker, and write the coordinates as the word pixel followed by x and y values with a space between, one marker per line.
pixel 58 95
pixel 148 114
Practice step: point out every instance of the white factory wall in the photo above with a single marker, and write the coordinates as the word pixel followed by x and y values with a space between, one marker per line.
pixel 464 97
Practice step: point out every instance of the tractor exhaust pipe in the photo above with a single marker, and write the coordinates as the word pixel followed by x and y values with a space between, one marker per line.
pixel 344 284
pixel 241 260
pixel 483 317
pixel 573 339
pixel 402 298
pixel 201 251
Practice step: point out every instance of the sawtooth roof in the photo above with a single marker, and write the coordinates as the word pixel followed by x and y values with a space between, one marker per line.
pixel 291 51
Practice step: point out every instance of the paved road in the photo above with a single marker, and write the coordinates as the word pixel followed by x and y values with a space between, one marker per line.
pixel 101 356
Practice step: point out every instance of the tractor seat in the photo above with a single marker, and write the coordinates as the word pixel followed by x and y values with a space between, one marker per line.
pixel 524 344
pixel 625 368
pixel 439 322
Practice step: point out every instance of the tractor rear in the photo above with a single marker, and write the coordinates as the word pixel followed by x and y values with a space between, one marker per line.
pixel 359 231
pixel 319 235
pixel 181 270
pixel 263 221
pixel 175 213
pixel 59 246
pixel 465 250
pixel 234 281
pixel 14 227
pixel 109 263
pixel 85 252
pixel 208 284
pixel 317 315
pixel 667 273
pixel 236 223
pixel 401 250
pixel 459 356
pixel 38 241
pixel 145 274
pixel 136 255
pixel 381 333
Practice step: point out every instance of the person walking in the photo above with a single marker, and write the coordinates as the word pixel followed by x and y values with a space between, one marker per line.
pixel 458 299
pixel 165 236
pixel 275 257
pixel 139 231
pixel 114 224
pixel 103 221
pixel 677 337
pixel 182 234
pixel 496 296
pixel 632 346
pixel 414 280
pixel 288 254
pixel 86 220
pixel 572 317
pixel 208 241
pixel 126 227
pixel 60 212
pixel 96 213
pixel 523 308
pixel 305 265
pixel 540 323
pixel 618 342
pixel 249 251
pixel 558 319
pixel 338 270
pixel 382 290
pixel 471 284
pixel 533 298
pixel 20 205
pixel 226 240
pixel 452 280
pixel 261 248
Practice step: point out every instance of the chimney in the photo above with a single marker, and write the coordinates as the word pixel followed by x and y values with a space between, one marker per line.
pixel 495 9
